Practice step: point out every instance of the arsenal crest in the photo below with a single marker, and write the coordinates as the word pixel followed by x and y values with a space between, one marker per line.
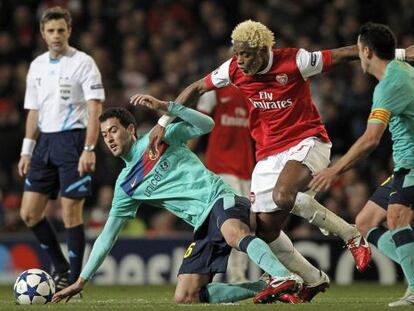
pixel 282 78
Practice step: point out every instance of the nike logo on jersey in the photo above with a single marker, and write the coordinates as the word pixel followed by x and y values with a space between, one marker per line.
pixel 133 183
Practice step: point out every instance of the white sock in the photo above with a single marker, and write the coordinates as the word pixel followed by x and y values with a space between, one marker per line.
pixel 237 267
pixel 318 215
pixel 288 255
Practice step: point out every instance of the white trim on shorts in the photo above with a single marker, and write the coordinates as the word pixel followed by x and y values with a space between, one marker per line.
pixel 311 151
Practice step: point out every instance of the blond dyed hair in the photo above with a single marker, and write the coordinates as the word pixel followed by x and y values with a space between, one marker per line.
pixel 254 33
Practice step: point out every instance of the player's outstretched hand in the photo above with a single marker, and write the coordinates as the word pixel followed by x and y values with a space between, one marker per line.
pixel 68 292
pixel 323 179
pixel 149 101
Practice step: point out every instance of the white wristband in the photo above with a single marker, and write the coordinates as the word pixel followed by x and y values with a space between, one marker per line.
pixel 400 54
pixel 28 146
pixel 165 120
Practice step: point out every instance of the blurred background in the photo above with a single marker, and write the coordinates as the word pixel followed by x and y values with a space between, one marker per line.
pixel 160 46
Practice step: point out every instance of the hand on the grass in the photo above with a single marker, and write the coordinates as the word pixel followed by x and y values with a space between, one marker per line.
pixel 70 291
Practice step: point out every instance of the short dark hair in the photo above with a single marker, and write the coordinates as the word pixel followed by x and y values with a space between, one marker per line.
pixel 56 12
pixel 379 38
pixel 123 115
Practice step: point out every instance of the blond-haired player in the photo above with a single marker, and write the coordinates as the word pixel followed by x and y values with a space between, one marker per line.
pixel 291 143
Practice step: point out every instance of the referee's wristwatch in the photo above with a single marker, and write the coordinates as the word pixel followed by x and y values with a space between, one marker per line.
pixel 89 148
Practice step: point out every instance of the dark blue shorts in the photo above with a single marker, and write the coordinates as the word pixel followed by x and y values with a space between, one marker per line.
pixel 395 190
pixel 382 194
pixel 209 252
pixel 54 166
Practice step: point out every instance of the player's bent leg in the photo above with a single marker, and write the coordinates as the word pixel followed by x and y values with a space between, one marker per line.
pixel 72 214
pixel 288 255
pixel 307 207
pixel 294 177
pixel 372 215
pixel 282 282
pixel 189 287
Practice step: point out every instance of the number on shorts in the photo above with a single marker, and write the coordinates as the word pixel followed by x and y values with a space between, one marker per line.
pixel 189 250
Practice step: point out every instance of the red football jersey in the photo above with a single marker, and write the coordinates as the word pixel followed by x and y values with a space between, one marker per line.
pixel 230 147
pixel 281 111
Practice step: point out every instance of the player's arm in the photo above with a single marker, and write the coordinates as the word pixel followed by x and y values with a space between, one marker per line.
pixel 312 63
pixel 189 95
pixel 91 83
pixel 350 53
pixel 196 123
pixel 100 250
pixel 324 179
pixel 218 78
pixel 29 141
pixel 31 101
pixel 87 159
pixel 344 54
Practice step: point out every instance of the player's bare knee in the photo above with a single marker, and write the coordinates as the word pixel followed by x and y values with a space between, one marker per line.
pixel 232 240
pixel 233 230
pixel 284 198
pixel 29 217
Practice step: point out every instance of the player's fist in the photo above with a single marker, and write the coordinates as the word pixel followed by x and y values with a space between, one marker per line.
pixel 149 101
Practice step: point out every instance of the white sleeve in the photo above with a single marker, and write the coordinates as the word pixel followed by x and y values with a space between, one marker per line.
pixel 309 63
pixel 207 102
pixel 91 81
pixel 30 97
pixel 220 77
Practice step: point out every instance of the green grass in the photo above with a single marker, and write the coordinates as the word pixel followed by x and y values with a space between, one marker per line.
pixel 360 296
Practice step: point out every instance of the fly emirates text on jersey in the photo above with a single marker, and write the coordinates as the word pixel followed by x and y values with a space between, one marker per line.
pixel 266 101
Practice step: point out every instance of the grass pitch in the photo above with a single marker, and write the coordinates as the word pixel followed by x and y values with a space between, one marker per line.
pixel 360 296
